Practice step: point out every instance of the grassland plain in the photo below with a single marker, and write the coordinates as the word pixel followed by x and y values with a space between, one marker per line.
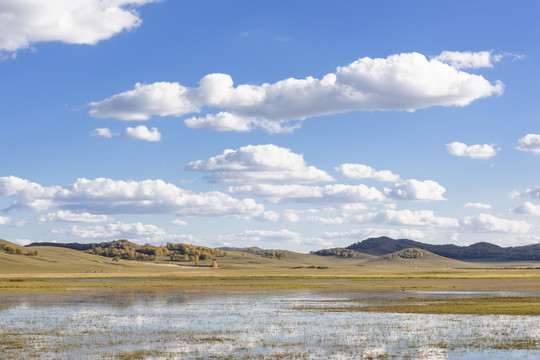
pixel 56 269
pixel 128 309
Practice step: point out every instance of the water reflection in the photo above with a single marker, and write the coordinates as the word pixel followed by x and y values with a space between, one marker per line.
pixel 193 325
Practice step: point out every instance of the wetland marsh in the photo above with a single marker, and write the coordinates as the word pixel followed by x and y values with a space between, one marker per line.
pixel 66 304
pixel 229 324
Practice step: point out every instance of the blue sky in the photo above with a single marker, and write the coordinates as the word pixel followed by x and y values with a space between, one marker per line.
pixel 296 125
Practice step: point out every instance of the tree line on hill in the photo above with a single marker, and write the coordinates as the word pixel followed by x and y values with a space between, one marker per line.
pixel 186 252
pixel 124 249
pixel 17 250
pixel 271 254
pixel 339 252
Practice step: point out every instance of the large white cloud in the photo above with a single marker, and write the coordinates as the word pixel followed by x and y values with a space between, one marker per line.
pixel 108 196
pixel 412 189
pixel 528 208
pixel 483 151
pixel 405 81
pixel 361 171
pixel 490 223
pixel 24 22
pixel 259 163
pixel 530 142
pixel 333 195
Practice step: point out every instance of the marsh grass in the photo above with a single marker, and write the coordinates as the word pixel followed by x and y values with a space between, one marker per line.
pixel 520 344
pixel 114 312
pixel 228 280
pixel 494 305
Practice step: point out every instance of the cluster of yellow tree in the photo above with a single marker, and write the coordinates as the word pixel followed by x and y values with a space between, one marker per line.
pixel 273 254
pixel 409 254
pixel 339 252
pixel 15 250
pixel 186 252
pixel 124 249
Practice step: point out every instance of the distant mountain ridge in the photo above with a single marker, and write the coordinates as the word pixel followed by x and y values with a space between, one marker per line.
pixel 249 250
pixel 74 246
pixel 479 251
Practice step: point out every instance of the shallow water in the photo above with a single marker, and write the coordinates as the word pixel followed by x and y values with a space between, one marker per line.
pixel 195 325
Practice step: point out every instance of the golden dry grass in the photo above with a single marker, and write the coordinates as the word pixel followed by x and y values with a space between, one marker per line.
pixel 248 271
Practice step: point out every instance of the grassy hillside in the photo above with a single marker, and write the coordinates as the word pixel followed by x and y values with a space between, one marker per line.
pixel 479 251
pixel 416 258
pixel 52 262
pixel 57 269
pixel 57 261
pixel 11 248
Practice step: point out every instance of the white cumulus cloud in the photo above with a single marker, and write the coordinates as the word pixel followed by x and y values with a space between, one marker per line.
pixel 405 81
pixel 530 142
pixel 140 132
pixel 143 133
pixel 103 132
pixel 412 189
pixel 269 239
pixel 490 223
pixel 483 151
pixel 333 195
pixel 477 205
pixel 408 217
pixel 469 59
pixel 222 121
pixel 5 220
pixel 22 242
pixel 361 234
pixel 69 216
pixel 259 163
pixel 528 208
pixel 108 196
pixel 282 235
pixel 25 22
pixel 529 193
pixel 361 171
pixel 115 231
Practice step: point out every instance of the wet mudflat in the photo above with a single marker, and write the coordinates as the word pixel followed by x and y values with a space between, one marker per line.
pixel 299 324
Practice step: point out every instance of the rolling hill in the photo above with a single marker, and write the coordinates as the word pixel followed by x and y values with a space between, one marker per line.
pixel 413 258
pixel 480 251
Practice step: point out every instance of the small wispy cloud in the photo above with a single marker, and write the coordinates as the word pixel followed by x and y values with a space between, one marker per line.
pixel 479 151
pixel 477 205
pixel 140 132
pixel 284 38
